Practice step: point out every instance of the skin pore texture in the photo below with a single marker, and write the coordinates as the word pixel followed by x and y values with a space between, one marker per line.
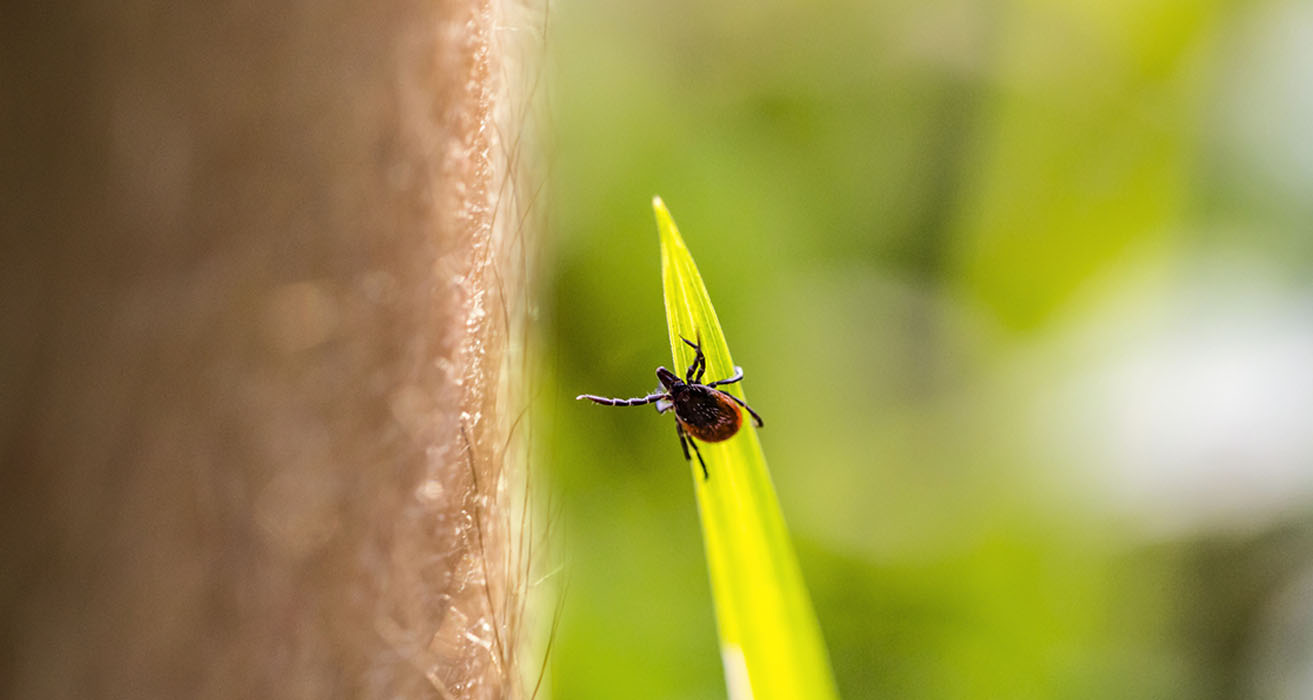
pixel 263 275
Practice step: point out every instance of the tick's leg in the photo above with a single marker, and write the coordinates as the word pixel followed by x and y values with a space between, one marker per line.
pixel 736 400
pixel 684 442
pixel 651 398
pixel 699 365
pixel 705 475
pixel 679 430
pixel 738 376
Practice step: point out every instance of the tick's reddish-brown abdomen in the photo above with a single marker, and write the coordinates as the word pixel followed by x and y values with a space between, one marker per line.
pixel 707 414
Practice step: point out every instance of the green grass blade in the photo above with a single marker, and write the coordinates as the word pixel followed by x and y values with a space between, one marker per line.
pixel 770 641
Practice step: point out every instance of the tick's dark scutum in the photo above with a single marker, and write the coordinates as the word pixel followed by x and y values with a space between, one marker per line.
pixel 706 414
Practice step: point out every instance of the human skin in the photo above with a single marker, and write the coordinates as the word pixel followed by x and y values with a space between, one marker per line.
pixel 255 298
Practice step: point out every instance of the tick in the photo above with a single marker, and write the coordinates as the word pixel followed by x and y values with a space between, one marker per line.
pixel 701 410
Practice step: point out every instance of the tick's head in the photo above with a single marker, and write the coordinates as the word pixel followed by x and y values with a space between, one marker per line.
pixel 669 379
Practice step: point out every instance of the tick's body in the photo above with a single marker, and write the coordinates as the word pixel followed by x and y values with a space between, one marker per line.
pixel 701 410
pixel 705 413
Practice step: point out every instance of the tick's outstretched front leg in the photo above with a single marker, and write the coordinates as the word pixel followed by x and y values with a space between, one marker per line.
pixel 641 401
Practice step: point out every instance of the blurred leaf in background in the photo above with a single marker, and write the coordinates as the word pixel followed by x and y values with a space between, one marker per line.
pixel 1031 279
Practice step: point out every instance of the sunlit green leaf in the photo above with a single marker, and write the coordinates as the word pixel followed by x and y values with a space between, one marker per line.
pixel 770 641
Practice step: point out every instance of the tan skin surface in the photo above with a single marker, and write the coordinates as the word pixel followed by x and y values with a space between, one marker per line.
pixel 247 389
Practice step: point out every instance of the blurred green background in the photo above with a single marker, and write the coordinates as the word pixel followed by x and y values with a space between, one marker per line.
pixel 1022 290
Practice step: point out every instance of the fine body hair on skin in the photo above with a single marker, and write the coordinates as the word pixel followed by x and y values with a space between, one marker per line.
pixel 264 273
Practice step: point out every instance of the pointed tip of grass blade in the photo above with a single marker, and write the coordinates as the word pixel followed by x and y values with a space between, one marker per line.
pixel 689 313
pixel 666 224
pixel 662 214
pixel 677 273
